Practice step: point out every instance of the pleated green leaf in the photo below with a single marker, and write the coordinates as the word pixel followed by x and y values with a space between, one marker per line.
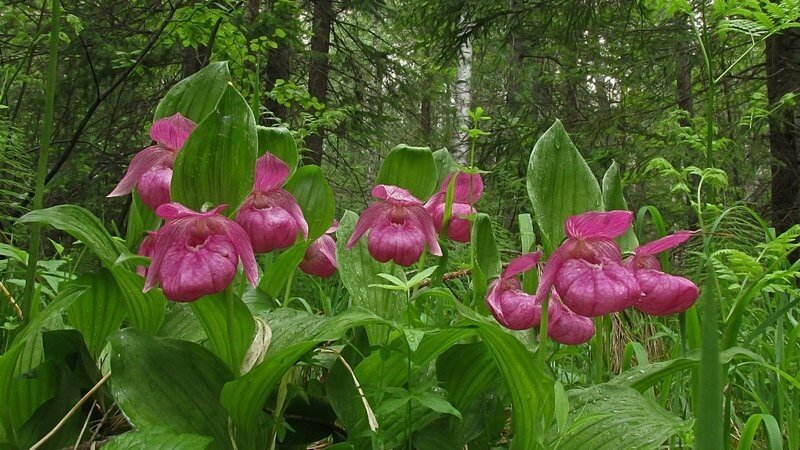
pixel 98 311
pixel 315 197
pixel 161 382
pixel 487 258
pixel 614 199
pixel 157 439
pixel 611 416
pixel 140 220
pixel 411 168
pixel 228 343
pixel 197 95
pixel 217 163
pixel 445 164
pixel 145 309
pixel 278 272
pixel 280 142
pixel 560 184
pixel 358 270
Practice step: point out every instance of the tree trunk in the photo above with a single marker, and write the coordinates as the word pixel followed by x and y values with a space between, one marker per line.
pixel 318 69
pixel 683 71
pixel 425 120
pixel 783 77
pixel 463 101
pixel 278 63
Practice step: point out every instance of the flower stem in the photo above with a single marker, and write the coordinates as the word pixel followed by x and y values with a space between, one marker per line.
pixel 542 349
pixel 44 151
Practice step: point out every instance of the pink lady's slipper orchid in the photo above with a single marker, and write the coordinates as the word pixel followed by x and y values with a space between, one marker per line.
pixel 150 171
pixel 587 268
pixel 196 254
pixel 320 257
pixel 399 227
pixel 467 189
pixel 509 305
pixel 566 327
pixel 663 293
pixel 146 248
pixel 270 215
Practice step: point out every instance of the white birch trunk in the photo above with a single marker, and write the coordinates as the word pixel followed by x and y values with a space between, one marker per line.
pixel 463 102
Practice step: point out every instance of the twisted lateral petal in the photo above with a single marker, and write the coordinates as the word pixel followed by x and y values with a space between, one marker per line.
pixel 320 258
pixel 664 294
pixel 521 264
pixel 551 269
pixel 378 212
pixel 171 132
pixel 154 185
pixel 511 307
pixel 284 200
pixel 175 210
pixel 468 187
pixel 596 289
pixel 402 242
pixel 421 220
pixel 665 243
pixel 241 243
pixel 146 248
pixel 592 225
pixel 395 195
pixel 173 234
pixel 143 161
pixel 566 327
pixel 192 272
pixel 332 229
pixel 271 172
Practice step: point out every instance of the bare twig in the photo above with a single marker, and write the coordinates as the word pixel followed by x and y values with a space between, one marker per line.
pixel 11 300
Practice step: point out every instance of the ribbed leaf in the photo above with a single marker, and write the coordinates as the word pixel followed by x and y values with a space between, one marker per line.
pixel 773 431
pixel 615 417
pixel 217 163
pixel 197 95
pixel 8 361
pixel 169 383
pixel 145 309
pixel 278 272
pixel 228 343
pixel 358 270
pixel 157 439
pixel 315 197
pixel 560 184
pixel 487 259
pixel 140 220
pixel 614 199
pixel 279 142
pixel 82 225
pixel 445 164
pixel 98 311
pixel 411 168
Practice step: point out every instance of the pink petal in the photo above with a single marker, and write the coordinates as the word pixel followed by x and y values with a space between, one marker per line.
pixel 419 218
pixel 284 200
pixel 594 250
pixel 333 227
pixel 377 213
pixel 402 242
pixel 320 258
pixel 171 132
pixel 394 195
pixel 596 289
pixel 665 243
pixel 592 225
pixel 241 242
pixel 175 210
pixel 460 228
pixel 566 327
pixel 142 162
pixel 146 248
pixel 512 308
pixel 154 186
pixel 174 233
pixel 271 173
pixel 468 187
pixel 551 269
pixel 522 264
pixel 189 273
pixel 270 228
pixel 664 294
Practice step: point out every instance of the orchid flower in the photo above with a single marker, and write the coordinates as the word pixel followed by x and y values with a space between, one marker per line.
pixel 662 293
pixel 320 257
pixel 196 253
pixel 399 227
pixel 150 171
pixel 146 248
pixel 510 306
pixel 565 326
pixel 587 268
pixel 467 189
pixel 270 215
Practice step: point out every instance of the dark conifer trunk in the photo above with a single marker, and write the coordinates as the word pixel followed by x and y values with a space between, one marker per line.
pixel 318 69
pixel 278 62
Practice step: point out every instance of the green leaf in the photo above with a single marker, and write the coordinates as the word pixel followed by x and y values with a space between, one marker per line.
pixel 445 164
pixel 613 416
pixel 196 96
pixel 560 184
pixel 315 197
pixel 614 199
pixel 157 439
pixel 358 270
pixel 98 311
pixel 279 271
pixel 145 309
pixel 82 225
pixel 217 163
pixel 161 382
pixel 436 403
pixel 228 343
pixel 487 258
pixel 418 278
pixel 8 362
pixel 774 436
pixel 411 168
pixel 140 220
pixel 280 142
